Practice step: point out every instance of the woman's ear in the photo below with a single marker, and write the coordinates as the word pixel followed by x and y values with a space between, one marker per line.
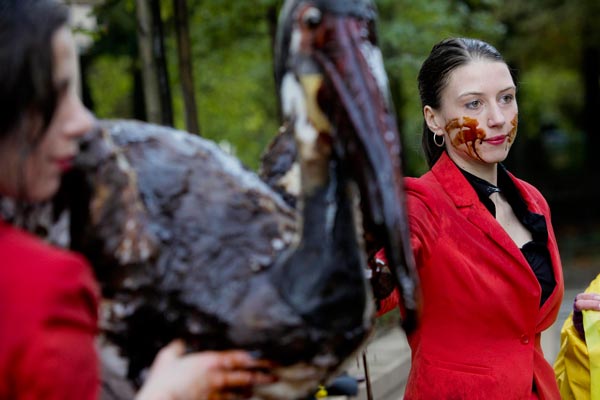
pixel 431 119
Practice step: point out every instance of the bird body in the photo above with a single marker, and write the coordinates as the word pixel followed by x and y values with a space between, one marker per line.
pixel 189 244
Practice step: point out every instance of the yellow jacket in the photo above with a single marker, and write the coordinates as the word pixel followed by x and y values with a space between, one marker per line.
pixel 577 365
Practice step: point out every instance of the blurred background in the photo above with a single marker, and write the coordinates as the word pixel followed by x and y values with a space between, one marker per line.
pixel 206 66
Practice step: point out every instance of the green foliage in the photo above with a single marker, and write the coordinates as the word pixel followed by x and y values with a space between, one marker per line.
pixel 231 48
pixel 110 80
pixel 550 95
pixel 237 98
pixel 538 37
pixel 116 28
pixel 551 100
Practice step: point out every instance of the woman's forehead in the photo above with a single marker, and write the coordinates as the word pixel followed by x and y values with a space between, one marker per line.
pixel 480 76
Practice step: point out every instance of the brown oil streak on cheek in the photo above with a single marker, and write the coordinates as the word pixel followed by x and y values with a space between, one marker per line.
pixel 468 134
pixel 513 132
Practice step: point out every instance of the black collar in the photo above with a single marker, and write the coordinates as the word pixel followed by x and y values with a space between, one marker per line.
pixel 535 223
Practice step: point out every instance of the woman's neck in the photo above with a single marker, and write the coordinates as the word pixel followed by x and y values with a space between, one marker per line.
pixel 487 172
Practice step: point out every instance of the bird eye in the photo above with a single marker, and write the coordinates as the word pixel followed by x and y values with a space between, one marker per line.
pixel 312 17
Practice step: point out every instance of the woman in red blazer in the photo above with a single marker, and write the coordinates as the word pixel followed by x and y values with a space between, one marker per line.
pixel 48 297
pixel 484 246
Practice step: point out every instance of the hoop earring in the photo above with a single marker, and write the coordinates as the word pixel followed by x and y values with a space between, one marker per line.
pixel 436 142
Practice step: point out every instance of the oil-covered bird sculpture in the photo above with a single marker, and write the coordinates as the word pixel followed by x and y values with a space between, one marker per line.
pixel 187 243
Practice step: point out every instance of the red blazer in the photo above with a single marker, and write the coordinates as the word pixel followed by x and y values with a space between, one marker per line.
pixel 479 336
pixel 48 321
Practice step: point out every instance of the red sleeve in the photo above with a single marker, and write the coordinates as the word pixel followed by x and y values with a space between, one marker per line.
pixel 58 359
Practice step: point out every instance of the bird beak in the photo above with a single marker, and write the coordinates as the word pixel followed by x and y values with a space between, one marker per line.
pixel 339 70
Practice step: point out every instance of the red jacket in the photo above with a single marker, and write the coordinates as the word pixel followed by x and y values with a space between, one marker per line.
pixel 48 321
pixel 479 336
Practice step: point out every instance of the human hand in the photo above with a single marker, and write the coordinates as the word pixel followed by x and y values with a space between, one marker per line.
pixel 587 301
pixel 208 375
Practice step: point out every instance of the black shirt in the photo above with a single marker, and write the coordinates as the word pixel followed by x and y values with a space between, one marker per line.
pixel 536 251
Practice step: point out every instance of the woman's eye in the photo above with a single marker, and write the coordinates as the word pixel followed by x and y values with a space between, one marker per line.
pixel 473 105
pixel 507 98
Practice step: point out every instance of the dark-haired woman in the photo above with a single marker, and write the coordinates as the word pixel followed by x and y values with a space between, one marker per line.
pixel 48 296
pixel 483 242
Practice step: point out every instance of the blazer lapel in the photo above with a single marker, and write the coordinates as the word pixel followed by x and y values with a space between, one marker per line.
pixel 465 199
pixel 558 292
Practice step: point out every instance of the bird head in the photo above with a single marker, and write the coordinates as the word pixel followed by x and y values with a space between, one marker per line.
pixel 333 91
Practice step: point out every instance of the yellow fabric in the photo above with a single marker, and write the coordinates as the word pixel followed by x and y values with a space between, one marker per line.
pixel 591 325
pixel 572 365
pixel 578 378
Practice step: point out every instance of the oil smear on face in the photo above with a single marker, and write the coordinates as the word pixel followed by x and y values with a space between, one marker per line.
pixel 513 132
pixel 467 133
